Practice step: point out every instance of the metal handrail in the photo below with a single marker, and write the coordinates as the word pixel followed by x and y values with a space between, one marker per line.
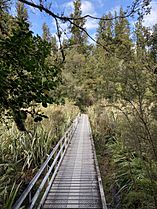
pixel 100 184
pixel 59 150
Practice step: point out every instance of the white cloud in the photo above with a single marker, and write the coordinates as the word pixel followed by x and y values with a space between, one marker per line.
pixel 151 19
pixel 91 24
pixel 87 8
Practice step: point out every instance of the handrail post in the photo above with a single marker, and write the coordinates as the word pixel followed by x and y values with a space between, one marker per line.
pixel 47 169
pixel 67 138
pixel 61 144
pixel 55 154
pixel 30 197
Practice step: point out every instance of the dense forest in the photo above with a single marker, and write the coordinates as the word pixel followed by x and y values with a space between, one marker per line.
pixel 45 83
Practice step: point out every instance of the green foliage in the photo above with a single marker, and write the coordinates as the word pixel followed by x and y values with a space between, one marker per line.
pixel 46 33
pixel 153 43
pixel 6 20
pixel 25 77
pixel 10 200
pixel 127 168
pixel 78 37
pixel 105 33
pixel 22 14
pixel 4 5
pixel 73 84
pixel 23 154
pixel 116 84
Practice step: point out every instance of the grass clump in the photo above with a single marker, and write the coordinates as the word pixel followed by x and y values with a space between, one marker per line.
pixel 21 154
pixel 127 164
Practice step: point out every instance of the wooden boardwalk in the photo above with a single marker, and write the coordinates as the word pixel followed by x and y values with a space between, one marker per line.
pixel 78 183
pixel 70 176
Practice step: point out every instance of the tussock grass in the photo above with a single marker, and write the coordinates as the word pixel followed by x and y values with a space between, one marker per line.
pixel 22 154
pixel 127 165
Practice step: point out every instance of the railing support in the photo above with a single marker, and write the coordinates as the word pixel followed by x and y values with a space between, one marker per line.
pixel 30 197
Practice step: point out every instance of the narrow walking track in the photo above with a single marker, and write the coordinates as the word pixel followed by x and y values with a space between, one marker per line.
pixel 70 176
pixel 77 183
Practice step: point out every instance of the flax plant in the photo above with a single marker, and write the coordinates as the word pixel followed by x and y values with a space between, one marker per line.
pixel 21 154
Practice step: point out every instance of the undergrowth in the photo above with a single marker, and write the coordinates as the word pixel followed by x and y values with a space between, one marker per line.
pixel 21 154
pixel 129 172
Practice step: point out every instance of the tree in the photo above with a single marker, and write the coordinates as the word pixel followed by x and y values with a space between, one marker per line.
pixel 105 33
pixel 21 12
pixel 54 44
pixel 46 33
pixel 105 28
pixel 5 17
pixel 122 36
pixel 139 7
pixel 141 36
pixel 78 37
pixel 153 43
pixel 26 76
pixel 4 5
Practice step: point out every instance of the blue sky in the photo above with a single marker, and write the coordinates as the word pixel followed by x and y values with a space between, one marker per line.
pixel 92 7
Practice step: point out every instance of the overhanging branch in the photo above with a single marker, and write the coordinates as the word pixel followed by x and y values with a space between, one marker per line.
pixel 134 8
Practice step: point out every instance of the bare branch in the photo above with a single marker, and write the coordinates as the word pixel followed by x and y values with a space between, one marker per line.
pixel 59 38
pixel 62 18
pixel 134 8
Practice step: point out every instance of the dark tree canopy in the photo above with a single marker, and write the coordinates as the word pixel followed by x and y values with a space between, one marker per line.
pixel 26 77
